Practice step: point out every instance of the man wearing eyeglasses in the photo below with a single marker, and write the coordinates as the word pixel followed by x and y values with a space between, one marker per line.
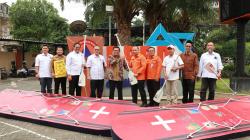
pixel 189 72
pixel 96 65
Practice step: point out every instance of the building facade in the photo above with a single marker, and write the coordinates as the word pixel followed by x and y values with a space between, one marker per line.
pixel 7 53
pixel 4 21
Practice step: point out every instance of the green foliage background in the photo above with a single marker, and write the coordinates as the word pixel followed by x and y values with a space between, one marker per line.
pixel 37 20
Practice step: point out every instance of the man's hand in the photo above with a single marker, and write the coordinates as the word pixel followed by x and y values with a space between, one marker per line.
pixel 174 69
pixel 219 75
pixel 157 79
pixel 53 75
pixel 135 74
pixel 37 76
pixel 69 77
pixel 166 77
pixel 194 77
pixel 106 76
pixel 88 77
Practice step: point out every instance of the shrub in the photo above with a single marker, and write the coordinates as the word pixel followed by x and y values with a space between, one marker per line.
pixel 228 70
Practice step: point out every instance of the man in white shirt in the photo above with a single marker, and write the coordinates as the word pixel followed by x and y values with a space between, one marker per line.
pixel 43 69
pixel 171 65
pixel 209 70
pixel 75 62
pixel 96 65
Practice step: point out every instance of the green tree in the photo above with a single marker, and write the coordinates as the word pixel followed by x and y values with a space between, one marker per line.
pixel 222 34
pixel 37 20
pixel 96 15
pixel 177 15
pixel 124 12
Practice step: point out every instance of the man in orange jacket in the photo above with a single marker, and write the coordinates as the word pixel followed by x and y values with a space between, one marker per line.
pixel 138 66
pixel 153 74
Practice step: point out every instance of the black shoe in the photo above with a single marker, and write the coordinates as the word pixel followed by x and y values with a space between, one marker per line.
pixel 150 104
pixel 143 105
pixel 156 104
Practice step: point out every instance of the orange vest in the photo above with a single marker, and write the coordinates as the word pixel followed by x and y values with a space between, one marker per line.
pixel 138 66
pixel 154 65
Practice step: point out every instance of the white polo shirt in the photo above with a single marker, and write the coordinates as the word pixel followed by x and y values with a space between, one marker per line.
pixel 214 60
pixel 74 63
pixel 172 61
pixel 44 63
pixel 96 65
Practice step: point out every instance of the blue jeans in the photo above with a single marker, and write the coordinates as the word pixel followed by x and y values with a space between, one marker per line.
pixel 46 82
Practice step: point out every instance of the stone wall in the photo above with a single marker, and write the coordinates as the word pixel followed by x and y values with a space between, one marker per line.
pixel 4 21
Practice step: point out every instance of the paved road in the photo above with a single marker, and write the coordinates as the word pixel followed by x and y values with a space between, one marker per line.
pixel 29 131
pixel 20 83
pixel 18 130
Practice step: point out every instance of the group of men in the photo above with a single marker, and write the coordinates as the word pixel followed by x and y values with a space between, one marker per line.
pixel 147 70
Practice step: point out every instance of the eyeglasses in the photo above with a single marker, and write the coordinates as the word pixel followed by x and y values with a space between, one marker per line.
pixel 188 46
